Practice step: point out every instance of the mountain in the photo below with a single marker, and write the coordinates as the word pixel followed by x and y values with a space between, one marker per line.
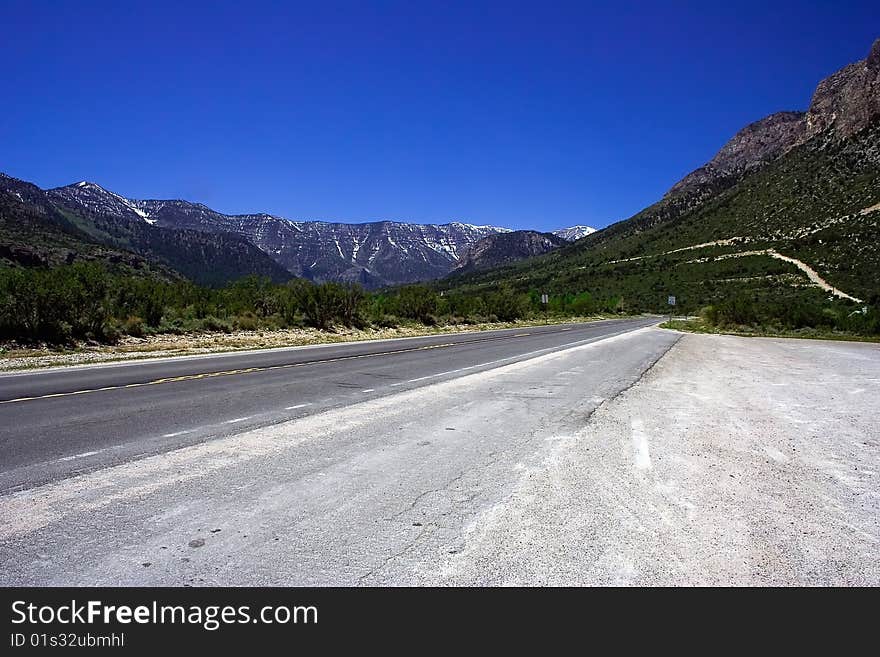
pixel 97 200
pixel 34 233
pixel 574 233
pixel 374 254
pixel 85 222
pixel 754 145
pixel 211 247
pixel 844 103
pixel 501 248
pixel 847 101
pixel 795 190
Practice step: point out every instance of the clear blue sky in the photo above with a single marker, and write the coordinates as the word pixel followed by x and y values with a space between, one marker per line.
pixel 529 115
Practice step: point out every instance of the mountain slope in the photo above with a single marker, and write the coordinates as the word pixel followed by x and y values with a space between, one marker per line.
pixel 85 222
pixel 495 250
pixel 779 185
pixel 754 145
pixel 374 254
pixel 574 233
pixel 34 233
pixel 206 258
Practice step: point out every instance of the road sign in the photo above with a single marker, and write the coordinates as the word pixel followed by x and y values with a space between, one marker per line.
pixel 544 299
pixel 671 301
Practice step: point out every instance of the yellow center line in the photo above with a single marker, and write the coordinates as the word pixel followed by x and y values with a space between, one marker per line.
pixel 248 370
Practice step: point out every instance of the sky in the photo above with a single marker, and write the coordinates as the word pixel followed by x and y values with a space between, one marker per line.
pixel 527 115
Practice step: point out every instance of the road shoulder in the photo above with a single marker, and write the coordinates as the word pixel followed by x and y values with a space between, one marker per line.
pixel 732 461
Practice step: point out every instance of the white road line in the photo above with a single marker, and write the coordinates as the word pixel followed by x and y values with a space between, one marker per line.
pixel 460 369
pixel 176 433
pixel 296 406
pixel 369 390
pixel 642 456
pixel 518 356
pixel 80 456
pixel 430 376
pixel 238 419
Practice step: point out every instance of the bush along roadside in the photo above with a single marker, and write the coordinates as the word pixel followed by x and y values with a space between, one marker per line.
pixel 740 315
pixel 86 302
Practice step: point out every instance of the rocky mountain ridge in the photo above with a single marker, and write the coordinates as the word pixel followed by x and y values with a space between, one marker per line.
pixel 374 254
pixel 749 227
pixel 40 228
pixel 503 248
pixel 843 103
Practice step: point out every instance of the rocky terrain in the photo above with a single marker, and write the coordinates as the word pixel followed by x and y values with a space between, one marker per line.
pixel 495 250
pixel 754 145
pixel 374 254
pixel 574 233
pixel 843 103
pixel 805 185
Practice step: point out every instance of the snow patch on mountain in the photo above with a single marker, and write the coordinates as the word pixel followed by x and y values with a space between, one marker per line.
pixel 97 199
pixel 573 233
pixel 375 254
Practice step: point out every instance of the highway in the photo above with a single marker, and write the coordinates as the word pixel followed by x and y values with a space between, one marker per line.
pixel 609 453
pixel 66 421
pixel 368 463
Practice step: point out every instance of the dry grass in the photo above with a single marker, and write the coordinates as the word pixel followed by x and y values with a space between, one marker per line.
pixel 163 345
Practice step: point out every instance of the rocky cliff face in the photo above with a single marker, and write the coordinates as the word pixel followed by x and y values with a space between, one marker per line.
pixel 848 100
pixel 503 248
pixel 842 104
pixel 757 143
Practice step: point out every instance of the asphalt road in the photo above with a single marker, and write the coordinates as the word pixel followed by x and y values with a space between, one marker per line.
pixel 598 455
pixel 72 420
pixel 393 482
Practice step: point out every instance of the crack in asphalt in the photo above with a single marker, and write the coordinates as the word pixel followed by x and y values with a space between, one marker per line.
pixel 636 381
pixel 492 458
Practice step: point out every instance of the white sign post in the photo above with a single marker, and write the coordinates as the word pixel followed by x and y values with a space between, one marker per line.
pixel 671 302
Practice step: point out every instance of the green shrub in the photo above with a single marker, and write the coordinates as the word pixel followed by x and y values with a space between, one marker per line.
pixel 133 325
pixel 388 321
pixel 247 321
pixel 211 323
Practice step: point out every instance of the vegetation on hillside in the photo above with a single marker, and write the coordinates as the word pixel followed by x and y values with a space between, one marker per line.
pixel 820 203
pixel 87 301
pixel 814 204
pixel 739 315
pixel 36 232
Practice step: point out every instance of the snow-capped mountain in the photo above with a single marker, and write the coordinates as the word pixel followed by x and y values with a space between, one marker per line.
pixel 374 254
pixel 48 228
pixel 573 233
pixel 95 198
